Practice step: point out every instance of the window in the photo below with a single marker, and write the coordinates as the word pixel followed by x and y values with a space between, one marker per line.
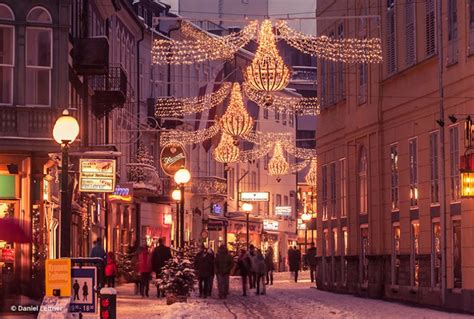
pixel 434 168
pixel 430 33
pixel 39 59
pixel 277 116
pixel 266 159
pixel 457 254
pixel 285 200
pixel 278 200
pixel 265 113
pixel 290 120
pixel 436 254
pixel 471 26
pixel 324 179
pixel 333 189
pixel 454 161
pixel 326 242
pixel 390 31
pixel 343 187
pixel 452 32
pixel 415 253
pixel 7 56
pixel 283 117
pixel 364 249
pixel 363 191
pixel 334 241
pixel 396 254
pixel 413 158
pixel 394 176
pixel 410 43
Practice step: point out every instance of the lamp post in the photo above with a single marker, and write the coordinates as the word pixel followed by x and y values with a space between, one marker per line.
pixel 247 208
pixel 65 131
pixel 176 195
pixel 181 177
pixel 306 217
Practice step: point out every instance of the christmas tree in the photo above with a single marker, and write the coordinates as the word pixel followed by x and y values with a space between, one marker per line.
pixel 143 161
pixel 126 265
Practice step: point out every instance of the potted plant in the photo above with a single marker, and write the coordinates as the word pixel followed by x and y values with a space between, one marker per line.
pixel 177 279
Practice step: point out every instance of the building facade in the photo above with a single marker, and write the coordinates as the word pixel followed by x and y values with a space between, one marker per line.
pixel 391 223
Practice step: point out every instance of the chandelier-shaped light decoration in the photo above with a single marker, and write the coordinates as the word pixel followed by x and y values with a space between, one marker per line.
pixel 226 151
pixel 267 72
pixel 278 166
pixel 236 121
pixel 312 176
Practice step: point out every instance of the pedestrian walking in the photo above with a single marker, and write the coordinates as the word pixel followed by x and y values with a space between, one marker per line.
pixel 311 261
pixel 270 266
pixel 252 271
pixel 160 255
pixel 211 278
pixel 204 265
pixel 294 261
pixel 222 266
pixel 144 269
pixel 99 252
pixel 260 270
pixel 243 264
pixel 110 269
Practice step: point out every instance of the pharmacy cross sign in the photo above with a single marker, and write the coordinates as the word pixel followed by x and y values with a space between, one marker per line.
pixel 172 158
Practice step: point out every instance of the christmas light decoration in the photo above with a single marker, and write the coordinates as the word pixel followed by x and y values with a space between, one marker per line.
pixel 341 50
pixel 292 105
pixel 267 72
pixel 236 121
pixel 201 47
pixel 254 154
pixel 172 107
pixel 226 151
pixel 278 166
pixel 311 177
pixel 299 152
pixel 298 166
pixel 188 137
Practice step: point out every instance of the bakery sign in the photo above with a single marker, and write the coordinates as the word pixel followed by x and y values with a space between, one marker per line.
pixel 172 158
pixel 97 175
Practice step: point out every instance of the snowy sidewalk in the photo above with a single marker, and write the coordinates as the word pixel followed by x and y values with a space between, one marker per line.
pixel 285 299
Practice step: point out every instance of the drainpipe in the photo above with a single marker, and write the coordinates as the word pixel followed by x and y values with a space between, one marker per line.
pixel 443 152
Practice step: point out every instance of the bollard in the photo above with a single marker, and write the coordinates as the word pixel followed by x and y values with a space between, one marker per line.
pixel 108 303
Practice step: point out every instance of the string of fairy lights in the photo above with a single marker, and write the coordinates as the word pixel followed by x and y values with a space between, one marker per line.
pixel 264 77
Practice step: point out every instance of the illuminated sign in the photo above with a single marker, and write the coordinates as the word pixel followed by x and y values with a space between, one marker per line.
pixel 122 194
pixel 284 211
pixel 270 224
pixel 97 175
pixel 172 158
pixel 167 219
pixel 301 224
pixel 7 255
pixel 255 197
pixel 217 209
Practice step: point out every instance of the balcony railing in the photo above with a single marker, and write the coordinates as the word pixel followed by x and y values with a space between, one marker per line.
pixel 110 90
pixel 143 176
pixel 304 74
pixel 33 122
pixel 209 186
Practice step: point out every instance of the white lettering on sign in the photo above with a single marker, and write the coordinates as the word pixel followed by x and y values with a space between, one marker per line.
pixel 168 161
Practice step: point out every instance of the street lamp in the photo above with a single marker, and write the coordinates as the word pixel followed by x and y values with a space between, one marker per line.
pixel 247 208
pixel 306 217
pixel 176 195
pixel 181 177
pixel 65 131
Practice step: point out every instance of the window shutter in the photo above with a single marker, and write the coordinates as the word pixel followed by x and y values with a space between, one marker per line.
pixel 430 28
pixel 390 31
pixel 410 32
pixel 471 26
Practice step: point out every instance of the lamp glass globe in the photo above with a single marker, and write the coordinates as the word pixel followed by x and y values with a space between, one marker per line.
pixel 66 128
pixel 182 176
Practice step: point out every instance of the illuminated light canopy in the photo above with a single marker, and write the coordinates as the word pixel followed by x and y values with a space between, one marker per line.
pixel 226 151
pixel 312 176
pixel 66 128
pixel 267 72
pixel 278 166
pixel 236 121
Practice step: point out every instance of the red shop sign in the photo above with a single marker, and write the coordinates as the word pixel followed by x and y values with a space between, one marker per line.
pixel 8 255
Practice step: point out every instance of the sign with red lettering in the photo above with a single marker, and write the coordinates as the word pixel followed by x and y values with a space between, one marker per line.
pixel 8 255
pixel 172 158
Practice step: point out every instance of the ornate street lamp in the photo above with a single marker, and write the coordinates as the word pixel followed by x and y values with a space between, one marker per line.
pixel 176 195
pixel 65 132
pixel 181 177
pixel 247 208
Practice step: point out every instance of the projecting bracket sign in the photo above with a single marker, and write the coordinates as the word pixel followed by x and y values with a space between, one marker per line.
pixel 97 175
pixel 254 196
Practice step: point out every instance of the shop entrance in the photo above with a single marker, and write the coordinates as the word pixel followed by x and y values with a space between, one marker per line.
pixel 8 208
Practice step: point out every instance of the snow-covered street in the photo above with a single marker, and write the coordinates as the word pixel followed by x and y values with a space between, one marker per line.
pixel 285 299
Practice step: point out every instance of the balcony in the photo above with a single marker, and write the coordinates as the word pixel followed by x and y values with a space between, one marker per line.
pixel 91 56
pixel 209 186
pixel 27 122
pixel 144 177
pixel 110 90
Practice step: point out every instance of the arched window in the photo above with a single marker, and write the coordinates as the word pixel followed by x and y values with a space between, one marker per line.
pixel 7 56
pixel 39 58
pixel 362 170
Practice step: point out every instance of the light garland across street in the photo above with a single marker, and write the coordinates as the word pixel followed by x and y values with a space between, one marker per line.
pixel 188 137
pixel 312 176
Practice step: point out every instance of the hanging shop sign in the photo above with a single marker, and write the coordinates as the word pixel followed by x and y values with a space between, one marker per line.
pixel 269 224
pixel 172 158
pixel 84 296
pixel 254 197
pixel 97 175
pixel 58 277
pixel 284 211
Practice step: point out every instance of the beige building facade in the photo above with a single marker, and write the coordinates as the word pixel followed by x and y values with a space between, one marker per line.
pixel 391 222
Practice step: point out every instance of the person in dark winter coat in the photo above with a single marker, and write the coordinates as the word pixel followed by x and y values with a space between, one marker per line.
pixel 99 252
pixel 222 266
pixel 110 269
pixel 252 271
pixel 243 264
pixel 311 261
pixel 160 255
pixel 294 261
pixel 204 265
pixel 260 270
pixel 270 265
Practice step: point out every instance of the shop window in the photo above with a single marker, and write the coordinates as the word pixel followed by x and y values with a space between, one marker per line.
pixel 363 187
pixel 413 158
pixel 334 241
pixel 436 254
pixel 396 254
pixel 457 254
pixel 415 253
